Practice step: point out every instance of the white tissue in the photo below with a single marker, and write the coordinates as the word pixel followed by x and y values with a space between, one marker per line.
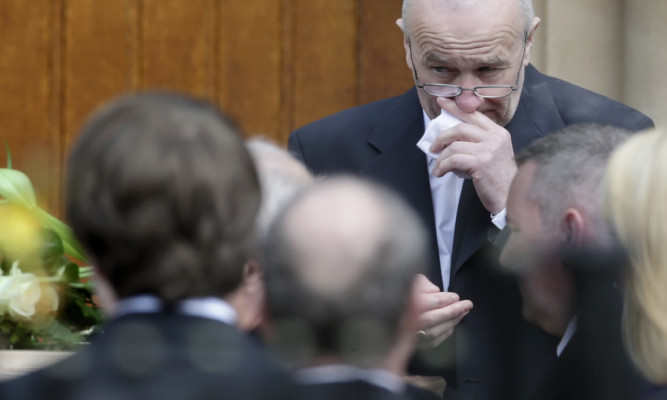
pixel 437 125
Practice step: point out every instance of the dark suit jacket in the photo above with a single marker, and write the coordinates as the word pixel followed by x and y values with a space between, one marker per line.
pixel 359 390
pixel 378 141
pixel 594 364
pixel 158 356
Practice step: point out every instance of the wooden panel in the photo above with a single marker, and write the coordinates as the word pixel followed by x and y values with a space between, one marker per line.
pixel 249 70
pixel 178 51
pixel 100 57
pixel 383 71
pixel 324 46
pixel 30 101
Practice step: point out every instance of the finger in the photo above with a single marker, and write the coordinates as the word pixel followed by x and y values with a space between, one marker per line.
pixel 423 285
pixel 474 118
pixel 445 317
pixel 432 301
pixel 455 162
pixel 458 133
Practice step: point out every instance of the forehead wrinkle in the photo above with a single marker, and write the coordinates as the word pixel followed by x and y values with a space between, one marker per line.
pixel 488 49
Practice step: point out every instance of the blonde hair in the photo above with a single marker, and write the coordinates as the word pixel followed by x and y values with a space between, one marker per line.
pixel 635 202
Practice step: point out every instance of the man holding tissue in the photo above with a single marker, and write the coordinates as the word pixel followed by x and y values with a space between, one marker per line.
pixel 477 100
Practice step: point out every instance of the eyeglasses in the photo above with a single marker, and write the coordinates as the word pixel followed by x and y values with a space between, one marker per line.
pixel 486 92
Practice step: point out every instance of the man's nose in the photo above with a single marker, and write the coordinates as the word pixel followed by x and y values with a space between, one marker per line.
pixel 468 101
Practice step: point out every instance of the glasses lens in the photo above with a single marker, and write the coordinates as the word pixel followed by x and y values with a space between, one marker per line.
pixel 442 90
pixel 493 91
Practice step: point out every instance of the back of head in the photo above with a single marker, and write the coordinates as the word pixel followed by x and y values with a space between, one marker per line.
pixel 635 193
pixel 281 175
pixel 570 167
pixel 163 194
pixel 340 263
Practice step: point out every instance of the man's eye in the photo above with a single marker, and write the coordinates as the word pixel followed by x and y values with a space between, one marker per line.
pixel 488 70
pixel 441 70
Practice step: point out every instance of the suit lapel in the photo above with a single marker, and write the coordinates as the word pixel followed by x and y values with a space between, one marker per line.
pixel 402 166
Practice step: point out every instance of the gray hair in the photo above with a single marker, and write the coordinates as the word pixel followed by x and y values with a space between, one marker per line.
pixel 281 177
pixel 526 8
pixel 342 293
pixel 571 164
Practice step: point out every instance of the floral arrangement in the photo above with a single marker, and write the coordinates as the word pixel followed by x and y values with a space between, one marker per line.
pixel 46 298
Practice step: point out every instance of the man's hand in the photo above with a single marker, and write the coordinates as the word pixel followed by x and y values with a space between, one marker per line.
pixel 479 148
pixel 439 312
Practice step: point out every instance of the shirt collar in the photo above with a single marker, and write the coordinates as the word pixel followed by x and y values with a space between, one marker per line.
pixel 204 307
pixel 345 373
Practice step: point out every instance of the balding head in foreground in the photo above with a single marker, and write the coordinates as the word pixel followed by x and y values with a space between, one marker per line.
pixel 340 263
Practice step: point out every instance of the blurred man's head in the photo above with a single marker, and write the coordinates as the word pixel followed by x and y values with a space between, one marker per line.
pixel 554 206
pixel 163 194
pixel 281 177
pixel 340 265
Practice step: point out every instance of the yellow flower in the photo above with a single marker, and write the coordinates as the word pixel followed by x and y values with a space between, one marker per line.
pixel 20 235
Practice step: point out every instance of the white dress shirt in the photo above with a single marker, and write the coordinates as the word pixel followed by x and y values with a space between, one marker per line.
pixel 446 193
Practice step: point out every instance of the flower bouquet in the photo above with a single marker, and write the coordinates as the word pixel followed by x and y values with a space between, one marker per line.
pixel 46 298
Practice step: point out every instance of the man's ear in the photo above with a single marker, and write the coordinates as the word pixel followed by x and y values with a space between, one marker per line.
pixel 406 43
pixel 252 270
pixel 574 228
pixel 529 40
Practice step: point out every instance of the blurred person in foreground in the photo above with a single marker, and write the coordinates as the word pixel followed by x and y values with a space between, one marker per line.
pixel 163 195
pixel 341 267
pixel 635 202
pixel 476 101
pixel 555 220
pixel 281 178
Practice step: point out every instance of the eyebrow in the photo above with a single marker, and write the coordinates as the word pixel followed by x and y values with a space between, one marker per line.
pixel 432 57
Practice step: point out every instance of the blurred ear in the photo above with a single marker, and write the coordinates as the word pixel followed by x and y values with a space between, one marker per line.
pixel 574 228
pixel 104 292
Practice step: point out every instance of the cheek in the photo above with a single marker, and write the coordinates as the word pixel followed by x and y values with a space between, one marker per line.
pixel 429 104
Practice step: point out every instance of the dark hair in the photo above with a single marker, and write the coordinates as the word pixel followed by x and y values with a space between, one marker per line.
pixel 163 194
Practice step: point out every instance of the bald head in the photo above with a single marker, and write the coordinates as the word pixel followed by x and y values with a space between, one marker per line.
pixel 335 234
pixel 345 251
pixel 525 7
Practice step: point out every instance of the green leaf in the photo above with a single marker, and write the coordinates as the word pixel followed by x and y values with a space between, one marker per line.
pixel 70 244
pixel 9 155
pixel 52 251
pixel 71 272
pixel 17 188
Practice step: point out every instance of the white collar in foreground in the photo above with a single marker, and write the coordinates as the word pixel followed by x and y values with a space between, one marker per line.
pixel 204 307
pixel 345 373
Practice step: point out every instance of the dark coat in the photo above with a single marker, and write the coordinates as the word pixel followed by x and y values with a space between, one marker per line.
pixel 162 357
pixel 493 352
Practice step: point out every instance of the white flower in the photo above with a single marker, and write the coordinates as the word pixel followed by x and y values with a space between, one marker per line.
pixel 19 293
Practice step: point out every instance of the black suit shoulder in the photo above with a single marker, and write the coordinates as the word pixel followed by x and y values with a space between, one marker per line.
pixel 159 357
pixel 578 105
pixel 347 140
